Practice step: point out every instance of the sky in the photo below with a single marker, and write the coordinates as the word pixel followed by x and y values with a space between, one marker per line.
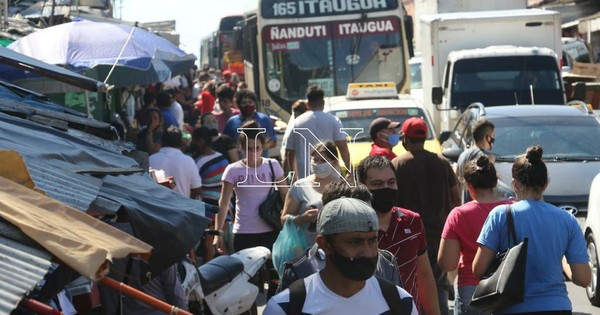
pixel 195 18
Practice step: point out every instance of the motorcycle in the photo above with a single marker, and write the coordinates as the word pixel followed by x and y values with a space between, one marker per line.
pixel 223 285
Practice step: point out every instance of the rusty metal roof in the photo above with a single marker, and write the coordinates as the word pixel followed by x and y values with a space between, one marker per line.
pixel 21 268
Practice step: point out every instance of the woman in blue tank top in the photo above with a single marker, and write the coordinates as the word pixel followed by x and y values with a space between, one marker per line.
pixel 552 232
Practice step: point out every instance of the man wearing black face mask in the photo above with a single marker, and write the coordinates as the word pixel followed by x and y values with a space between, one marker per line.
pixel 347 232
pixel 401 232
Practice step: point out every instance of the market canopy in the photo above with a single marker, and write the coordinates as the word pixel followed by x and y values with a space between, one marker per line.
pixel 82 242
pixel 88 174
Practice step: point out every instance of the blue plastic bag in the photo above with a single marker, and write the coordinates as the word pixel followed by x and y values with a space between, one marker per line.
pixel 290 244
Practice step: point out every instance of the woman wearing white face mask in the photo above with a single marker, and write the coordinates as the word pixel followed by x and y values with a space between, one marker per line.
pixel 303 200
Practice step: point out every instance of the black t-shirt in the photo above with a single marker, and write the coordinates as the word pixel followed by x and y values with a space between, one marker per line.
pixel 223 144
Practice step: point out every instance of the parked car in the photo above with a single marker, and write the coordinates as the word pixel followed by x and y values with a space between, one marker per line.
pixel 592 231
pixel 569 135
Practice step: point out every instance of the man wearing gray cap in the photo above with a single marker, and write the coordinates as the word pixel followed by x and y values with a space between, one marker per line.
pixel 347 233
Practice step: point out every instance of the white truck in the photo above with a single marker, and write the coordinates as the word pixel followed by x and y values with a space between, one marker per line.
pixel 423 7
pixel 514 42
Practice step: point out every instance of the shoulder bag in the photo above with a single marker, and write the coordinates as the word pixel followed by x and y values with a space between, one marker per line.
pixel 504 283
pixel 270 209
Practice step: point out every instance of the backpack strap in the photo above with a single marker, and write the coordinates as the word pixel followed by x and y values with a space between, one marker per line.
pixel 297 297
pixel 397 305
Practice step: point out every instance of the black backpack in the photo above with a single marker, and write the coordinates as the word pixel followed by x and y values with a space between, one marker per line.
pixel 397 305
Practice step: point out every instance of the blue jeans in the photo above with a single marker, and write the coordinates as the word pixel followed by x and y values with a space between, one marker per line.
pixel 462 301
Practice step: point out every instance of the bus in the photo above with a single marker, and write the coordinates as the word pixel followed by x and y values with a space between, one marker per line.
pixel 289 45
pixel 207 58
pixel 218 49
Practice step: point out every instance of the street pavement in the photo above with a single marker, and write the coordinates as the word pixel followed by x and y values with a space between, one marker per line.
pixel 581 304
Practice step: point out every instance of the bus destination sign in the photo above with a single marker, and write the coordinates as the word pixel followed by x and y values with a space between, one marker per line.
pixel 312 8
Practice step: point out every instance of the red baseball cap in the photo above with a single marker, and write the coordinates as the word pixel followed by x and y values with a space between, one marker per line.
pixel 226 73
pixel 414 127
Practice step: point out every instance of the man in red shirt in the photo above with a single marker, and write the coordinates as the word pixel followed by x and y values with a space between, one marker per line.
pixel 401 232
pixel 385 136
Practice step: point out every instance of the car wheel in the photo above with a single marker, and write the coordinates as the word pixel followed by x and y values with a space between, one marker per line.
pixel 592 289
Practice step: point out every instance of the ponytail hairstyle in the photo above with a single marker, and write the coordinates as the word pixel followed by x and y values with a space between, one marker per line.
pixel 480 173
pixel 529 169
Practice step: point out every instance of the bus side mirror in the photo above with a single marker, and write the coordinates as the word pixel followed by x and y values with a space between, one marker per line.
pixel 437 94
pixel 238 37
pixel 408 29
pixel 579 91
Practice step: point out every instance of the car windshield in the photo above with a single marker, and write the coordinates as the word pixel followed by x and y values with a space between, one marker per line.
pixel 562 138
pixel 331 55
pixel 506 80
pixel 361 119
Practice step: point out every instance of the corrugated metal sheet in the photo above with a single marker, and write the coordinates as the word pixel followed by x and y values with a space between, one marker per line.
pixel 150 207
pixel 21 268
pixel 75 190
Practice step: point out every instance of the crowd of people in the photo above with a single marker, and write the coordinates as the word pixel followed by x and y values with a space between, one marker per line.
pixel 413 207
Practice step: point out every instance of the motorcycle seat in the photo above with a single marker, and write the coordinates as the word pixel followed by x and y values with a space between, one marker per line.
pixel 219 271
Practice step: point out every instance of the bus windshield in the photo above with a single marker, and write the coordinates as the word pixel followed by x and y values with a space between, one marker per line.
pixel 331 55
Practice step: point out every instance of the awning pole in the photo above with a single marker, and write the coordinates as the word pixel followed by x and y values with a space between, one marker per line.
pixel 87 103
pixel 38 307
pixel 142 297
pixel 119 56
